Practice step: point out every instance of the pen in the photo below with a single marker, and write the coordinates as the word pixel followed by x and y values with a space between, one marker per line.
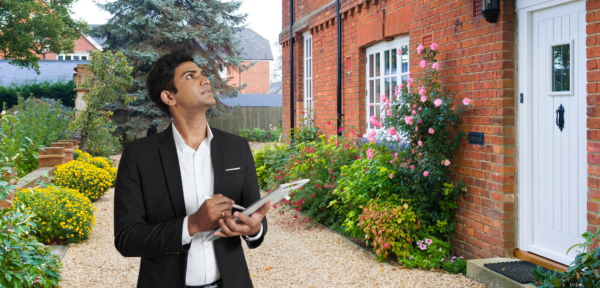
pixel 234 205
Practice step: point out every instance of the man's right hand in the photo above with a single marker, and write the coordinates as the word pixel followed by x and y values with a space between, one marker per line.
pixel 208 216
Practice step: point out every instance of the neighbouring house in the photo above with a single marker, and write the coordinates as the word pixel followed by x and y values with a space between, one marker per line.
pixel 255 111
pixel 257 50
pixel 50 70
pixel 531 184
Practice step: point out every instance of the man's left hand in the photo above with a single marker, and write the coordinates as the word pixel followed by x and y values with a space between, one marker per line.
pixel 248 226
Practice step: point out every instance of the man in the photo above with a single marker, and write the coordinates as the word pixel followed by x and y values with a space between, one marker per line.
pixel 161 208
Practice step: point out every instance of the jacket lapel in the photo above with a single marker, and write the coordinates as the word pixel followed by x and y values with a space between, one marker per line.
pixel 170 164
pixel 217 155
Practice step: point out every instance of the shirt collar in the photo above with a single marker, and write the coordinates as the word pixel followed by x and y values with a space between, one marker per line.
pixel 180 144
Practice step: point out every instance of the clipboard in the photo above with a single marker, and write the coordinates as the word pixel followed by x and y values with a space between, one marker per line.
pixel 282 191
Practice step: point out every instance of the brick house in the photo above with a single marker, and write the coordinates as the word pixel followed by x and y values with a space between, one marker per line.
pixel 530 184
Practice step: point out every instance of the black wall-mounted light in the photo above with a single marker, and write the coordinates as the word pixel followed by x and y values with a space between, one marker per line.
pixel 490 9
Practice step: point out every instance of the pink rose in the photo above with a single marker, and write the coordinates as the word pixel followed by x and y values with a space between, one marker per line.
pixel 392 131
pixel 370 154
pixel 304 112
pixel 438 102
pixel 436 66
pixel 391 175
pixel 426 173
pixel 370 104
pixel 423 98
pixel 409 73
pixel 374 121
pixel 466 101
pixel 397 137
pixel 422 91
pixel 412 167
pixel 409 81
pixel 446 162
pixel 415 106
pixel 384 99
pixel 420 48
pixel 371 136
pixel 328 122
pixel 391 162
pixel 408 120
pixel 431 131
pixel 396 155
pixel 401 85
pixel 389 112
pixel 423 63
pixel 416 128
pixel 414 112
pixel 396 91
pixel 419 108
pixel 413 151
pixel 434 46
pixel 420 143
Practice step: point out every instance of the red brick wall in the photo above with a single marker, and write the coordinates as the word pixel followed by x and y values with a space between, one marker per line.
pixel 593 110
pixel 256 78
pixel 478 62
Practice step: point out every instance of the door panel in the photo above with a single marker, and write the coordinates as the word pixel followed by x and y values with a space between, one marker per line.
pixel 559 157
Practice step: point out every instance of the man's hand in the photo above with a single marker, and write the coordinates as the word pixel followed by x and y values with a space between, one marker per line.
pixel 208 216
pixel 248 226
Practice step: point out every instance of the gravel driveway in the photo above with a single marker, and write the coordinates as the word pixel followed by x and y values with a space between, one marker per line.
pixel 295 253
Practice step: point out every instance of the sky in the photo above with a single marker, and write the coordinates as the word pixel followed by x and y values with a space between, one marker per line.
pixel 264 16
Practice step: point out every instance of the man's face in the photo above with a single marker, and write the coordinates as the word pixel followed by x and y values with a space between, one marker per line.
pixel 193 89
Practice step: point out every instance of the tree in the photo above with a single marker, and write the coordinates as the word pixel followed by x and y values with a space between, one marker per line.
pixel 30 27
pixel 278 64
pixel 110 78
pixel 145 30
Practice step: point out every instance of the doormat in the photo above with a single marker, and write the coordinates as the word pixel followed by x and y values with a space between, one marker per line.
pixel 519 271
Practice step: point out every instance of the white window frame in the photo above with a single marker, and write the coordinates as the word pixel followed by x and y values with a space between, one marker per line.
pixel 87 55
pixel 571 44
pixel 379 81
pixel 308 73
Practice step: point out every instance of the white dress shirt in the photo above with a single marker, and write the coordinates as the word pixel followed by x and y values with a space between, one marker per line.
pixel 197 177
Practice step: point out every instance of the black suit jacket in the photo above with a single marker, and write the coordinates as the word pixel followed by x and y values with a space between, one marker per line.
pixel 150 208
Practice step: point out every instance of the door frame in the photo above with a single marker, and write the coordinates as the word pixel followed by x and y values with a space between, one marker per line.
pixel 525 116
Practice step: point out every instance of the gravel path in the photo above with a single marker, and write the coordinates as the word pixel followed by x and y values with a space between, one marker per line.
pixel 295 253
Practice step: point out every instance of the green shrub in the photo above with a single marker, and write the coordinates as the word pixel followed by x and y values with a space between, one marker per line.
pixel 86 178
pixel 16 148
pixel 427 253
pixel 257 134
pixel 61 215
pixel 102 142
pixel 24 261
pixel 43 122
pixel 389 227
pixel 455 265
pixel 583 272
pixel 62 91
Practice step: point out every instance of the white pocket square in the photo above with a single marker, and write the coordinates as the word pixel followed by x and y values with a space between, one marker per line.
pixel 231 169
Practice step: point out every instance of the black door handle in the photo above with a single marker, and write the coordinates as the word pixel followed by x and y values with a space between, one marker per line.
pixel 560 117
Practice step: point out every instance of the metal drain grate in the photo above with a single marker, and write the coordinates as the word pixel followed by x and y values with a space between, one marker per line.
pixel 519 271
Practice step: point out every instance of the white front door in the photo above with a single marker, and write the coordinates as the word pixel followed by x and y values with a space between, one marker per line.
pixel 559 156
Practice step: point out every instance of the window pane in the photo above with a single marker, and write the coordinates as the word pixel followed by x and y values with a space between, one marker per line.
pixel 83 57
pixel 67 57
pixel 372 112
pixel 75 57
pixel 394 61
pixel 561 59
pixel 371 91
pixel 377 90
pixel 370 67
pixel 388 84
pixel 61 57
pixel 387 62
pixel 405 59
pixel 377 65
pixel 394 84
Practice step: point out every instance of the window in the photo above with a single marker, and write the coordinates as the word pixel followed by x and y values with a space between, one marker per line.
pixel 561 78
pixel 308 80
pixel 387 67
pixel 75 57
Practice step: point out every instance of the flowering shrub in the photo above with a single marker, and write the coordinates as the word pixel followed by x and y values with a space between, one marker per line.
pixel 270 161
pixel 369 177
pixel 16 148
pixel 389 227
pixel 100 162
pixel 61 215
pixel 428 120
pixel 24 261
pixel 428 253
pixel 257 134
pixel 88 179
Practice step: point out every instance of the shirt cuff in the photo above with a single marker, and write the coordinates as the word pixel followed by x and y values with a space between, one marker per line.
pixel 255 237
pixel 185 235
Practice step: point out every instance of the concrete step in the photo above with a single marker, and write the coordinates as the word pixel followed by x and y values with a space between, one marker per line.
pixel 491 279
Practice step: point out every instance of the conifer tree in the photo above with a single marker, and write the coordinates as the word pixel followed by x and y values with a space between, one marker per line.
pixel 144 30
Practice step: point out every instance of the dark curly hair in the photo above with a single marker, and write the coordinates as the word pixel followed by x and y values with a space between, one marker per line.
pixel 161 77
